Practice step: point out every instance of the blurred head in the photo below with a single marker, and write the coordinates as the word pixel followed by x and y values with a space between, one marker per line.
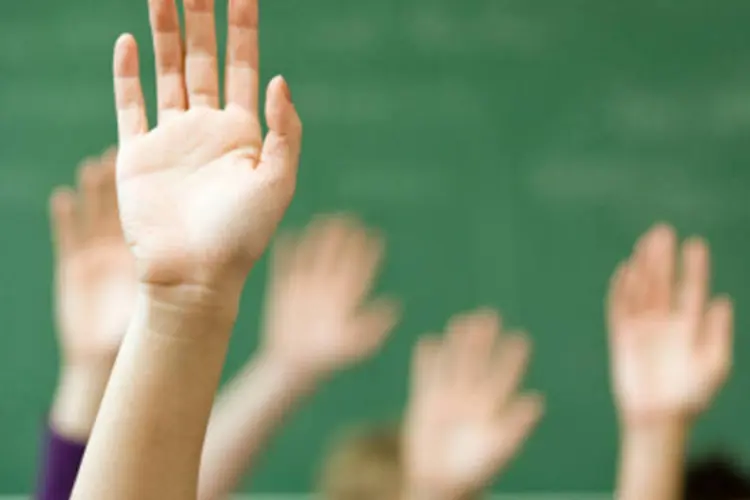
pixel 363 464
pixel 716 477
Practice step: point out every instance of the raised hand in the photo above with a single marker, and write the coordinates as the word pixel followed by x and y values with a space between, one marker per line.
pixel 202 193
pixel 95 289
pixel 671 345
pixel 200 196
pixel 318 319
pixel 466 418
pixel 95 279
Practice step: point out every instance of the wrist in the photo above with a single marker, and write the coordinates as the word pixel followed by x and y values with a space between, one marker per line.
pixel 286 372
pixel 673 427
pixel 185 311
pixel 77 398
pixel 656 438
pixel 652 458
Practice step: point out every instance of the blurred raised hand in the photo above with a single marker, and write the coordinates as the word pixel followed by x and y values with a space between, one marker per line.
pixel 671 342
pixel 95 286
pixel 202 193
pixel 318 317
pixel 466 417
pixel 671 351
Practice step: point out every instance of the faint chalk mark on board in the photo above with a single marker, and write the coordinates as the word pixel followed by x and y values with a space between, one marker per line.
pixel 63 103
pixel 409 102
pixel 679 112
pixel 731 109
pixel 440 29
pixel 75 34
pixel 355 34
pixel 19 189
pixel 395 185
pixel 637 188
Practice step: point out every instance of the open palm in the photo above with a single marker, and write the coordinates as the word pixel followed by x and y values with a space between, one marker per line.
pixel 466 419
pixel 202 193
pixel 95 277
pixel 317 315
pixel 671 351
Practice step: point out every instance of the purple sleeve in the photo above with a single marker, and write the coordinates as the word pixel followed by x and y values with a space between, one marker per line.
pixel 60 464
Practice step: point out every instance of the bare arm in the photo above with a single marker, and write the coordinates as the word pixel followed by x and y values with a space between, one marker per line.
pixel 151 424
pixel 250 410
pixel 95 285
pixel 77 398
pixel 652 461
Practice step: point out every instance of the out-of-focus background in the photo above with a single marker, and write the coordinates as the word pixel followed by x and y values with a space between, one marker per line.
pixel 511 151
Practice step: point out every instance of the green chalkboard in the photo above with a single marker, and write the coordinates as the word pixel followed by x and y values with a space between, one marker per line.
pixel 511 150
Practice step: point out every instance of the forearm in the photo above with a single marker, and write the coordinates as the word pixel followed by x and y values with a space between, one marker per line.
pixel 652 461
pixel 77 398
pixel 157 404
pixel 248 412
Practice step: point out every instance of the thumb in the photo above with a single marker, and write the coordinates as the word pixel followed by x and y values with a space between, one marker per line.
pixel 281 147
pixel 515 425
pixel 375 323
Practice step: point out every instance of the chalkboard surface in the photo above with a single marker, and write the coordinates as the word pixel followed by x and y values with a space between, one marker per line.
pixel 511 150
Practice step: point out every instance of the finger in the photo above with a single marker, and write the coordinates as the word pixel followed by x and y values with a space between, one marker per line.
pixel 90 197
pixel 64 222
pixel 374 325
pixel 516 424
pixel 168 54
pixel 660 262
pixel 360 261
pixel 642 257
pixel 509 366
pixel 694 280
pixel 640 276
pixel 717 337
pixel 281 148
pixel 325 245
pixel 201 67
pixel 131 109
pixel 109 213
pixel 108 159
pixel 470 343
pixel 616 299
pixel 425 365
pixel 242 55
pixel 631 289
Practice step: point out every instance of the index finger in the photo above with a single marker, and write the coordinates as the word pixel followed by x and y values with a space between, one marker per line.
pixel 64 221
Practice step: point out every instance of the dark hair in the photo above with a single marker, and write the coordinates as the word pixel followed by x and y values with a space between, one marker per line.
pixel 716 477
